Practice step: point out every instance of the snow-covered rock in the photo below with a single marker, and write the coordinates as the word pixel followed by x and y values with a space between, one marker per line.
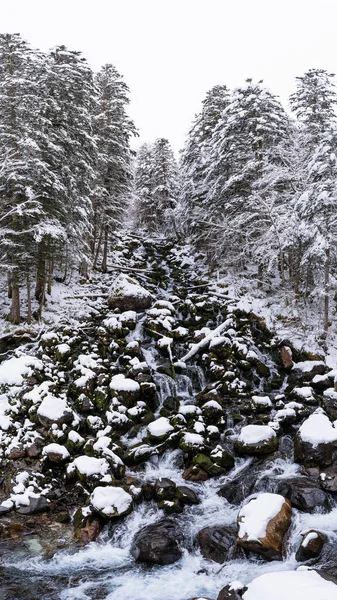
pixel 256 440
pixel 263 521
pixel 127 294
pixel 291 585
pixel 111 502
pixel 54 410
pixel 56 453
pixel 159 429
pixel 316 440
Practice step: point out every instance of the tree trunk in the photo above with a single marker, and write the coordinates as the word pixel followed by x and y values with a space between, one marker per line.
pixel 105 251
pixel 29 299
pixel 40 274
pixel 9 285
pixel 98 248
pixel 15 308
pixel 50 275
pixel 326 291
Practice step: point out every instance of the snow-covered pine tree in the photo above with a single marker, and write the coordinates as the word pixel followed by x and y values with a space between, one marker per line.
pixel 165 188
pixel 71 155
pixel 195 157
pixel 143 187
pixel 113 130
pixel 20 121
pixel 243 144
pixel 314 105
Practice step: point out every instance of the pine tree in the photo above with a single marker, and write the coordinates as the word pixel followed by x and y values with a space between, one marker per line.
pixel 244 142
pixel 143 187
pixel 164 174
pixel 314 103
pixel 20 122
pixel 113 130
pixel 195 156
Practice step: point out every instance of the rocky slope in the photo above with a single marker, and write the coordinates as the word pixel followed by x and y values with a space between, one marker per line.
pixel 168 368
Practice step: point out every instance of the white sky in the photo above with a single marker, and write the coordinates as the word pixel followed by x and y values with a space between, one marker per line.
pixel 172 51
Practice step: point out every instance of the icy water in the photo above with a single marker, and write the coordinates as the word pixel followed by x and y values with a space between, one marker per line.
pixel 106 570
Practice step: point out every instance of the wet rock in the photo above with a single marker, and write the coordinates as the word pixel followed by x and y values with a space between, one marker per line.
pixel 311 546
pixel 237 489
pixel 328 480
pixel 195 473
pixel 186 495
pixel 232 591
pixel 206 464
pixel 36 505
pixel 223 458
pixel 171 507
pixel 92 529
pixel 56 453
pixel 164 489
pixel 263 522
pixel 158 543
pixel 304 494
pixel 218 543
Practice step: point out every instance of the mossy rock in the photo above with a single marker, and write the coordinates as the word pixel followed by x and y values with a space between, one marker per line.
pixel 206 464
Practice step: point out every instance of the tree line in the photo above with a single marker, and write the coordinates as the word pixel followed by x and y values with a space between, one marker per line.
pixel 66 166
pixel 257 186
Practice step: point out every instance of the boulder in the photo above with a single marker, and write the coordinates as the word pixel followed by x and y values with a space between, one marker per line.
pixel 158 543
pixel 218 543
pixel 311 545
pixel 111 502
pixel 127 294
pixel 164 489
pixel 291 585
pixel 256 440
pixel 305 494
pixel 263 522
pixel 186 495
pixel 316 441
pixel 36 505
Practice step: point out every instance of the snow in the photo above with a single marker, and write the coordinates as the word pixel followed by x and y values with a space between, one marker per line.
pixel 212 404
pixel 308 365
pixel 52 408
pixel 13 371
pixel 312 535
pixel 304 392
pixel 189 409
pixel 254 434
pixel 125 286
pixel 120 383
pixel 112 323
pixel 193 439
pixel 291 585
pixel 317 429
pixel 128 315
pixel 75 437
pixel 110 500
pixel 56 449
pixel 160 427
pixel 262 400
pixel 196 347
pixel 63 348
pixel 254 516
pixel 88 465
pixel 164 342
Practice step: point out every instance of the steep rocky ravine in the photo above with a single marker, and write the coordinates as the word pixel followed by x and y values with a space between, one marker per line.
pixel 165 447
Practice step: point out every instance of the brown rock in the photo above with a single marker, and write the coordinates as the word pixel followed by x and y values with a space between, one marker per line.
pixel 91 531
pixel 195 473
pixel 311 545
pixel 286 357
pixel 270 546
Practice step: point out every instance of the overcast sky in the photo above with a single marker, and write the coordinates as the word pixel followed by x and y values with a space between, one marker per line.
pixel 172 51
